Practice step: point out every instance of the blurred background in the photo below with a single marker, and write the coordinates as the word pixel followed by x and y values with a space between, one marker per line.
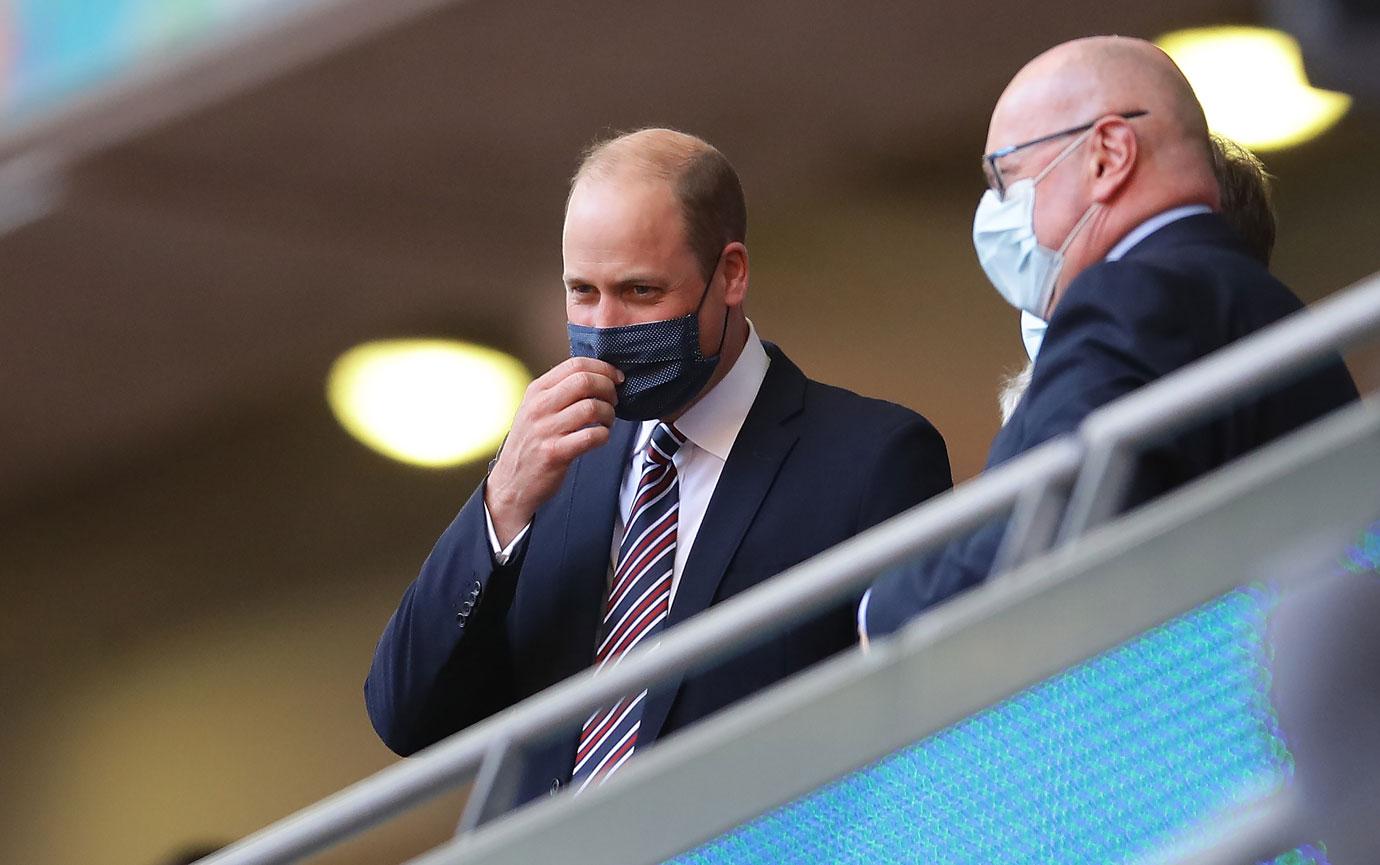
pixel 204 204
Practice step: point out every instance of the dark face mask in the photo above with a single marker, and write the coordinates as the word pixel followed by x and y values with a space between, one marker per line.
pixel 661 361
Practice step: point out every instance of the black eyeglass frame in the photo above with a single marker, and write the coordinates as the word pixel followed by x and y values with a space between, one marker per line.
pixel 990 159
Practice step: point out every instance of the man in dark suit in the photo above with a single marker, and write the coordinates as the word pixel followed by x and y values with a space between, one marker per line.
pixel 1246 204
pixel 674 461
pixel 1121 253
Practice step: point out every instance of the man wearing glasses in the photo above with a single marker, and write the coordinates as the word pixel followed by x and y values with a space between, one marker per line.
pixel 1098 218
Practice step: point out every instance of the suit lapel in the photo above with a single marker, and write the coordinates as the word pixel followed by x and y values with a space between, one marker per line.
pixel 758 452
pixel 588 538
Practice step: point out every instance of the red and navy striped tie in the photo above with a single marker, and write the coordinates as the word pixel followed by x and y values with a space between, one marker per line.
pixel 638 603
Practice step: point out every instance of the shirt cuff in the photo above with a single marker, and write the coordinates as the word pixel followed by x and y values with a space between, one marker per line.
pixel 502 554
pixel 862 617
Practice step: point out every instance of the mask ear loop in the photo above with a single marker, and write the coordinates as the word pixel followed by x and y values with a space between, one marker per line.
pixel 1073 145
pixel 1092 208
pixel 712 273
pixel 1063 248
pixel 1077 227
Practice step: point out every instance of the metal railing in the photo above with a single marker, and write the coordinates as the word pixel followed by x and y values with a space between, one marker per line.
pixel 772 770
pixel 1092 469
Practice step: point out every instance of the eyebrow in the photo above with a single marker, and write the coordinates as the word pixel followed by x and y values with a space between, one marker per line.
pixel 629 280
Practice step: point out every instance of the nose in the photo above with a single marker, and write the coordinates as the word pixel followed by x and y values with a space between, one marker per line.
pixel 607 310
pixel 607 313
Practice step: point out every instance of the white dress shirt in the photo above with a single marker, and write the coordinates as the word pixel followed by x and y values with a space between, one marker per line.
pixel 710 428
pixel 1123 246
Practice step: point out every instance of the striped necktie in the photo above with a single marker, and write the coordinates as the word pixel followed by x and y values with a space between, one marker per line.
pixel 639 600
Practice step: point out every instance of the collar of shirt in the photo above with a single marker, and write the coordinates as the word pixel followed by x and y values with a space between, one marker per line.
pixel 712 424
pixel 1152 225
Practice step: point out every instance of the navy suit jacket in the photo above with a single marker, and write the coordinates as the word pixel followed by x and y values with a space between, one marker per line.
pixel 812 466
pixel 1185 291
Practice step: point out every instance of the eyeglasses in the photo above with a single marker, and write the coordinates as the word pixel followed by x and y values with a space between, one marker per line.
pixel 993 171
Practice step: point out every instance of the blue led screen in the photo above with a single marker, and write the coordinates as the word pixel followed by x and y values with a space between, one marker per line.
pixel 1101 764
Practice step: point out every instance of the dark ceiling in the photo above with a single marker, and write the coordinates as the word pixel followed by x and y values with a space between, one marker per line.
pixel 414 182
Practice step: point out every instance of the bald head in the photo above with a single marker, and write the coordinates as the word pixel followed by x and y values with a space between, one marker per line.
pixel 1084 79
pixel 705 185
pixel 1095 188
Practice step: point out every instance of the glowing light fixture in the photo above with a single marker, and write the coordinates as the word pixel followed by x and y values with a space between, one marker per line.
pixel 1252 85
pixel 428 402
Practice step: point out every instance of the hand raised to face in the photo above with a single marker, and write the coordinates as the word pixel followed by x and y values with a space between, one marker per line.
pixel 565 413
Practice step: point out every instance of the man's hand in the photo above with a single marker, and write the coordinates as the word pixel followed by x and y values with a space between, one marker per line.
pixel 565 413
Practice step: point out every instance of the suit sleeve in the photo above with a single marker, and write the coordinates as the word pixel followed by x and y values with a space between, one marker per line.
pixel 911 466
pixel 443 661
pixel 1120 326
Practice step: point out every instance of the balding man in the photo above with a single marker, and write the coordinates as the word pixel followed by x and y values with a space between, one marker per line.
pixel 1099 219
pixel 1245 203
pixel 674 461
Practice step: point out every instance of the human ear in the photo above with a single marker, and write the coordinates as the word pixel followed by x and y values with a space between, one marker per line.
pixel 735 271
pixel 1113 150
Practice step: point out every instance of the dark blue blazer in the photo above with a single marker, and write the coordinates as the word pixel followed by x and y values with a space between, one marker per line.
pixel 1185 291
pixel 812 466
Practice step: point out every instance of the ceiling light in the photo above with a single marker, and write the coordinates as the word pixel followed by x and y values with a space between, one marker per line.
pixel 1252 85
pixel 428 402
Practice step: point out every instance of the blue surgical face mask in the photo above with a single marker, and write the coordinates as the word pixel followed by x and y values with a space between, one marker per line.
pixel 1032 333
pixel 1022 270
pixel 661 361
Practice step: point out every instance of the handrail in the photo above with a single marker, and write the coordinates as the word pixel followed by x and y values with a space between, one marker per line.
pixel 1192 393
pixel 1169 560
pixel 1231 375
pixel 756 614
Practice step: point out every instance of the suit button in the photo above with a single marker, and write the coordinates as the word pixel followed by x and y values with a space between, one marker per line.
pixel 475 590
pixel 555 786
